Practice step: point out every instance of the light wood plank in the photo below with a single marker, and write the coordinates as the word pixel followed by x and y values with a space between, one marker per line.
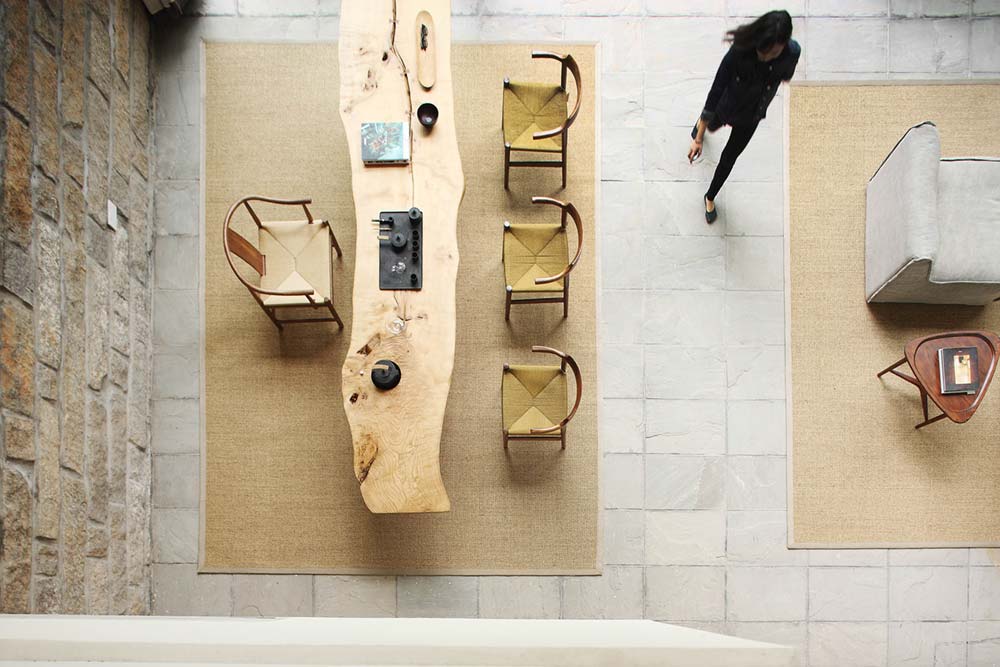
pixel 427 53
pixel 397 433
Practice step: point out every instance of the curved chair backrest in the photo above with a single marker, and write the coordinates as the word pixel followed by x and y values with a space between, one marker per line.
pixel 567 210
pixel 568 63
pixel 235 244
pixel 565 360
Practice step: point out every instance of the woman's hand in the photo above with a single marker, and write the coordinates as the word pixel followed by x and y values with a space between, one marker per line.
pixel 695 151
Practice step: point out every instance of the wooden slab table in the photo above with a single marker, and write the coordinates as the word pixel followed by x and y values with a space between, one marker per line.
pixel 397 433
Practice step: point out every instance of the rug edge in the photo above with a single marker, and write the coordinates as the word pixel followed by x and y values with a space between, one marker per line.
pixel 201 566
pixel 791 542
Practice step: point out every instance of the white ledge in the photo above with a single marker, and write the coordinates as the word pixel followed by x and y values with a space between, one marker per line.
pixel 128 640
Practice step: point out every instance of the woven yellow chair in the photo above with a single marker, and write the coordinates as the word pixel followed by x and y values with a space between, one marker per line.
pixel 536 259
pixel 534 399
pixel 536 118
pixel 294 260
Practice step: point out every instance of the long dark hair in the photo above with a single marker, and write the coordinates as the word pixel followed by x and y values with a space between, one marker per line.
pixel 774 27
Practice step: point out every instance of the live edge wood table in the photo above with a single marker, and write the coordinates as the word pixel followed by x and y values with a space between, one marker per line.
pixel 922 356
pixel 397 432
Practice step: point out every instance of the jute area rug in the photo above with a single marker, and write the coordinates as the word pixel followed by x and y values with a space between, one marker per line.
pixel 860 475
pixel 278 488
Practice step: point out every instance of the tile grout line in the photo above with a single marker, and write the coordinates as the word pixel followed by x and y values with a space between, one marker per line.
pixel 726 400
pixel 888 603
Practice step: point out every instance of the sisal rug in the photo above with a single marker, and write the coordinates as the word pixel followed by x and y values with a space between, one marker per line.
pixel 859 474
pixel 278 488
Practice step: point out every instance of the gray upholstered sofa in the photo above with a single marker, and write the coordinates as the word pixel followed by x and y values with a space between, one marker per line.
pixel 932 231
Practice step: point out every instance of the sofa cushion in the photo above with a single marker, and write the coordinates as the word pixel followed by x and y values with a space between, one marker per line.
pixel 968 221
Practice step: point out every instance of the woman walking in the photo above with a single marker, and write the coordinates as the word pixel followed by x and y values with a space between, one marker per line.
pixel 762 55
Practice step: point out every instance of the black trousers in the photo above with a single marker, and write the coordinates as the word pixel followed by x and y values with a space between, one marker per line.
pixel 738 140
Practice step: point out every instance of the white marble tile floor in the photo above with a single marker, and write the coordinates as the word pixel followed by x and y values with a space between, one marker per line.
pixel 692 353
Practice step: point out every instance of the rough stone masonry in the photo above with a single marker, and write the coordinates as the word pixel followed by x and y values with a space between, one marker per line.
pixel 75 313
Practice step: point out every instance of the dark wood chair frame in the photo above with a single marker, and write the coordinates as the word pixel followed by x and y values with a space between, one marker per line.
pixel 549 433
pixel 235 244
pixel 568 210
pixel 568 64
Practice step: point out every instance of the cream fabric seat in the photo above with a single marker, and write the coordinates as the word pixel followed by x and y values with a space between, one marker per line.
pixel 298 258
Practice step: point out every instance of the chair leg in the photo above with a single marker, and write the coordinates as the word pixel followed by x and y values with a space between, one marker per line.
pixel 505 440
pixel 329 304
pixel 336 246
pixel 336 315
pixel 566 297
pixel 270 313
pixel 562 437
pixel 506 167
pixel 565 153
pixel 506 312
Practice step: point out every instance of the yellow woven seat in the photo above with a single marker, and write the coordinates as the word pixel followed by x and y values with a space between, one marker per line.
pixel 536 118
pixel 534 401
pixel 533 107
pixel 536 260
pixel 533 251
pixel 534 397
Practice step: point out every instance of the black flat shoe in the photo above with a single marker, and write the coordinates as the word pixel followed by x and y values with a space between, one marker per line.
pixel 710 216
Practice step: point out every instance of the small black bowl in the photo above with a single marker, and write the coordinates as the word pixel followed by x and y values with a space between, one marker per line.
pixel 427 113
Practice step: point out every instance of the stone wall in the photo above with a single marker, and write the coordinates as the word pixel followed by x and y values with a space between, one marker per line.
pixel 75 306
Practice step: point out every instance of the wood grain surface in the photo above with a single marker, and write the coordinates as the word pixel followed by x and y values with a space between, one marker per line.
pixel 397 433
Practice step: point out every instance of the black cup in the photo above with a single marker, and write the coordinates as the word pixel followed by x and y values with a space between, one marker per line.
pixel 427 113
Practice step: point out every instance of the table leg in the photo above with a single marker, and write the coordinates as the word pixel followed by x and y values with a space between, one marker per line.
pixel 891 367
pixel 931 420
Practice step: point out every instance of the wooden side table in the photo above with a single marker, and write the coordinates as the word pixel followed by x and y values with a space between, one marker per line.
pixel 922 356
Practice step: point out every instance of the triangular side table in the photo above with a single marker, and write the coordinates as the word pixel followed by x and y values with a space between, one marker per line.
pixel 922 356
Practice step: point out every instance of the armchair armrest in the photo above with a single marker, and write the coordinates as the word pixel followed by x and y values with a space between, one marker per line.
pixel 570 210
pixel 271 200
pixel 568 64
pixel 566 359
pixel 901 208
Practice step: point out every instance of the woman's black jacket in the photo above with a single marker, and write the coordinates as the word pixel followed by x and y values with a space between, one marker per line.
pixel 744 86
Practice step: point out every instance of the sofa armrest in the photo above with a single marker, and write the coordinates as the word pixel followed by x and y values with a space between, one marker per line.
pixel 901 207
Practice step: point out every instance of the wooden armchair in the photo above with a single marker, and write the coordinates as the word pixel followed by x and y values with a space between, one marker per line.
pixel 535 401
pixel 294 260
pixel 536 118
pixel 536 258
